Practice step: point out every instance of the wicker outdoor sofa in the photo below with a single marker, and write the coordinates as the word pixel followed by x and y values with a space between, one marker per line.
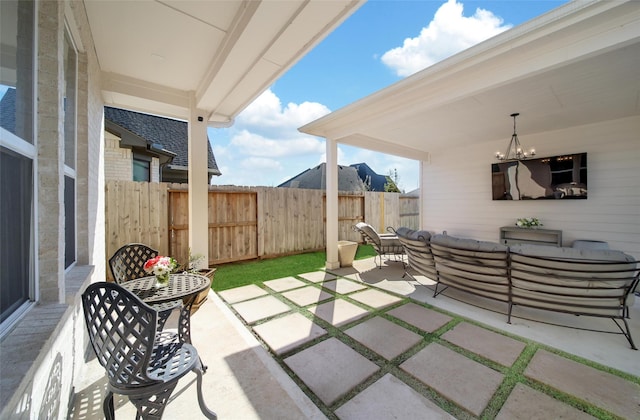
pixel 589 282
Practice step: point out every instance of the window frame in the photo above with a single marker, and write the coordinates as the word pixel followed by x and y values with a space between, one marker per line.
pixel 69 45
pixel 29 150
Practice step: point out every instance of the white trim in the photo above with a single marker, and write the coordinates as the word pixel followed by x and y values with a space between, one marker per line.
pixel 34 270
pixel 17 144
pixel 15 317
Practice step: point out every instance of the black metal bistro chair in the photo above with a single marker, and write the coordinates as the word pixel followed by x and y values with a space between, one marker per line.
pixel 140 362
pixel 127 263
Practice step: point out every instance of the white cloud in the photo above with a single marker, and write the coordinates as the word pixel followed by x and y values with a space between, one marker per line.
pixel 264 147
pixel 267 116
pixel 448 33
pixel 253 144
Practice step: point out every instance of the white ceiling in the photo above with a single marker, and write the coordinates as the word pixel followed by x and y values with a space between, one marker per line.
pixel 159 56
pixel 576 65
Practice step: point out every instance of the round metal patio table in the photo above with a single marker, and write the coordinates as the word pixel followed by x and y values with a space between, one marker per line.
pixel 185 286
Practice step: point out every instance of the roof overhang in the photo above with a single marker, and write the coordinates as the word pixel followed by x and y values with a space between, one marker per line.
pixel 168 57
pixel 575 65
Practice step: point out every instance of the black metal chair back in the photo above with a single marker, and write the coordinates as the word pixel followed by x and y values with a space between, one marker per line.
pixel 121 329
pixel 140 361
pixel 127 263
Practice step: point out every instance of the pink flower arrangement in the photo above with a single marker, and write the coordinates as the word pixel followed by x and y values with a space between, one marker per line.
pixel 160 265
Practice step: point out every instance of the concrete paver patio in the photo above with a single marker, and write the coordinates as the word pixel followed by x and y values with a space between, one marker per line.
pixel 425 361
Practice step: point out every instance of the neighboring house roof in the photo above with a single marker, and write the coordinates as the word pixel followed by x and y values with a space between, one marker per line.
pixel 161 134
pixel 376 182
pixel 315 179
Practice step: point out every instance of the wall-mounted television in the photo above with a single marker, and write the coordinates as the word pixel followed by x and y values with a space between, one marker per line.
pixel 551 178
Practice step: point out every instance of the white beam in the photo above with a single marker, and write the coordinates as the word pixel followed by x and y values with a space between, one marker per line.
pixel 198 187
pixel 331 227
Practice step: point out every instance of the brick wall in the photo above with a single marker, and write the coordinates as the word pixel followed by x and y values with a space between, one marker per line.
pixel 117 161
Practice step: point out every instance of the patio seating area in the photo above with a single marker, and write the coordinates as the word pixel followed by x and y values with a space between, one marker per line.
pixel 363 342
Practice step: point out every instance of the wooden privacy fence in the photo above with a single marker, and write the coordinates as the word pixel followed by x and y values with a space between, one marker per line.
pixel 244 222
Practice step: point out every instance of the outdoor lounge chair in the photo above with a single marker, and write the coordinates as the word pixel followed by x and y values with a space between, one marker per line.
pixel 127 263
pixel 140 361
pixel 384 244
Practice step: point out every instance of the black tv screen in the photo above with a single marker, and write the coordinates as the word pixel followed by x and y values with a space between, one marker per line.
pixel 551 178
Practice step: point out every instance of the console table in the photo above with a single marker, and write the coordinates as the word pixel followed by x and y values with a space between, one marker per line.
pixel 512 235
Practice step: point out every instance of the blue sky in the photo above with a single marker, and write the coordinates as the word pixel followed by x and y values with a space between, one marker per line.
pixel 380 44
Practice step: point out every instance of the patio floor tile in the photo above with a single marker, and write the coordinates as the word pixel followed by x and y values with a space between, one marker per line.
pixel 375 298
pixel 497 347
pixel 420 317
pixel 600 388
pixel 338 312
pixel 390 398
pixel 307 295
pixel 463 381
pixel 286 333
pixel 374 333
pixel 260 308
pixel 242 293
pixel 525 403
pixel 317 276
pixel 343 286
pixel 331 369
pixel 286 283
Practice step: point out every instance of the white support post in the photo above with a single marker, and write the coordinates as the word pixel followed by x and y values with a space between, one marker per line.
pixel 421 170
pixel 198 187
pixel 331 227
pixel 421 194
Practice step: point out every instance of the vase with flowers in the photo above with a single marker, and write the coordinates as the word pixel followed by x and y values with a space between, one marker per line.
pixel 528 222
pixel 161 267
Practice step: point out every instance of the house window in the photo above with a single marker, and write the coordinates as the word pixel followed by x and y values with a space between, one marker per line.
pixel 70 89
pixel 17 157
pixel 141 168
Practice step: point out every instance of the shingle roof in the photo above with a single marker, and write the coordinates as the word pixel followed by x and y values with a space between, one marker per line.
pixel 8 111
pixel 171 134
pixel 366 173
pixel 315 178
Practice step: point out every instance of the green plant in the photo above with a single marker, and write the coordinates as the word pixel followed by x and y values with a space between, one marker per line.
pixel 528 222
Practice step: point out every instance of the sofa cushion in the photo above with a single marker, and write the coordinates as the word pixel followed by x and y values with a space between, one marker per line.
pixel 468 244
pixel 469 264
pixel 594 281
pixel 414 235
pixel 418 250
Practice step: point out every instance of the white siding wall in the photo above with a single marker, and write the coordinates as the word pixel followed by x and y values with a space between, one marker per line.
pixel 457 188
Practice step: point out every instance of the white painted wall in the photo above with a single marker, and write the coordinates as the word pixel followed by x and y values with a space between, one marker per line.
pixel 457 188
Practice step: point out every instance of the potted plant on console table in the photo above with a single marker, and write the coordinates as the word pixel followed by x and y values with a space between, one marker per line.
pixel 528 223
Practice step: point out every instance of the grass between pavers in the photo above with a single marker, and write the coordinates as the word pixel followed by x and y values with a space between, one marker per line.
pixel 244 273
pixel 512 375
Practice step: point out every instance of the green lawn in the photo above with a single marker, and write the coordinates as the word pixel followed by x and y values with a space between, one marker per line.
pixel 237 274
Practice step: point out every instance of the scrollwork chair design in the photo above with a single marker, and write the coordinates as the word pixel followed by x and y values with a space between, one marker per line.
pixel 127 263
pixel 140 362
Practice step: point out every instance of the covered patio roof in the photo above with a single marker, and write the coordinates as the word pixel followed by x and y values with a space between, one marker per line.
pixel 155 54
pixel 577 64
pixel 204 62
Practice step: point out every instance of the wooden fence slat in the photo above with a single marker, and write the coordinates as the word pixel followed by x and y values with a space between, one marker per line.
pixel 244 222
